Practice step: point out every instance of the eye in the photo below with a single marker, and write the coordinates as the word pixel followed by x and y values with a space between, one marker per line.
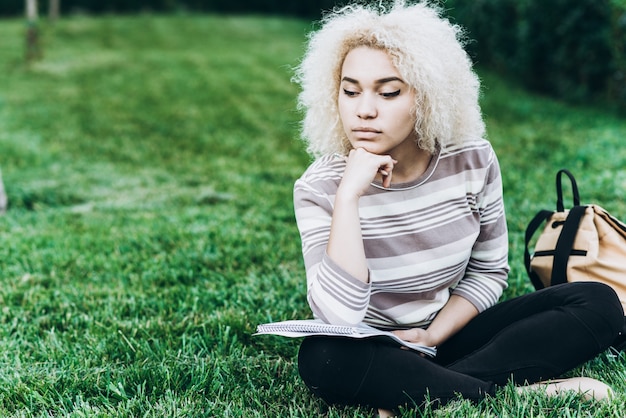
pixel 349 93
pixel 390 95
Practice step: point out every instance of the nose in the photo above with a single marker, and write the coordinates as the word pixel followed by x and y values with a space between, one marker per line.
pixel 366 107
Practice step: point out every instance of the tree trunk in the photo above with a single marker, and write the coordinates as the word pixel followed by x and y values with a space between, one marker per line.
pixel 3 197
pixel 31 10
pixel 33 46
pixel 54 7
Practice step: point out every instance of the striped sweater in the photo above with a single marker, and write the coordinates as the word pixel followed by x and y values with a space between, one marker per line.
pixel 440 235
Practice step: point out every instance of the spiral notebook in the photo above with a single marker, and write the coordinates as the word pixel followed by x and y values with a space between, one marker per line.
pixel 309 327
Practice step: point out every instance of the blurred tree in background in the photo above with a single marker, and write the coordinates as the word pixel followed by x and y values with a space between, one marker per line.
pixel 54 8
pixel 569 49
pixel 301 8
pixel 575 50
pixel 33 46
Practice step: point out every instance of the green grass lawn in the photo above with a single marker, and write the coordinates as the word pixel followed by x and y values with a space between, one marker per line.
pixel 149 163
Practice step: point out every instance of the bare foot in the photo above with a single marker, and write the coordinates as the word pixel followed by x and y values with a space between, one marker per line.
pixel 589 388
pixel 385 413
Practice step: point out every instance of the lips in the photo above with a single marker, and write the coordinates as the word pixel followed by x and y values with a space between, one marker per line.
pixel 365 133
pixel 365 129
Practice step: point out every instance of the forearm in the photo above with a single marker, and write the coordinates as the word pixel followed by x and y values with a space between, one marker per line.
pixel 456 313
pixel 345 243
pixel 452 318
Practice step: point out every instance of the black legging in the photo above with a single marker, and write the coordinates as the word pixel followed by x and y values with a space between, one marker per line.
pixel 534 337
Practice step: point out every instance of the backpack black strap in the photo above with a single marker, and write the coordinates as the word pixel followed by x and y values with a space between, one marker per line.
pixel 566 242
pixel 568 234
pixel 530 231
pixel 559 190
pixel 564 245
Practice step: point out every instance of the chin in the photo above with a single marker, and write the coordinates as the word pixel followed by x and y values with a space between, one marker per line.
pixel 369 147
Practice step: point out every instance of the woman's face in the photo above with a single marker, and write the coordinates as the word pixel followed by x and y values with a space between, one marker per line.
pixel 375 103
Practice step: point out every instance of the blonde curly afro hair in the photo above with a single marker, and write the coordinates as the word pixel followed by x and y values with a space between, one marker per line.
pixel 426 49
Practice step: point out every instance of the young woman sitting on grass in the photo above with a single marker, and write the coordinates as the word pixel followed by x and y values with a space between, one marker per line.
pixel 403 227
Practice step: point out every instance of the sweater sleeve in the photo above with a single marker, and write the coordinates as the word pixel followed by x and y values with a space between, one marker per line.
pixel 487 270
pixel 334 296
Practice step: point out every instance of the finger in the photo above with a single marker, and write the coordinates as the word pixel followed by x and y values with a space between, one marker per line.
pixel 387 180
pixel 388 164
pixel 412 334
pixel 386 173
pixel 400 334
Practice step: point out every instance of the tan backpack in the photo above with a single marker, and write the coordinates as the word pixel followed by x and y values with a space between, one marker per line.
pixel 584 243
